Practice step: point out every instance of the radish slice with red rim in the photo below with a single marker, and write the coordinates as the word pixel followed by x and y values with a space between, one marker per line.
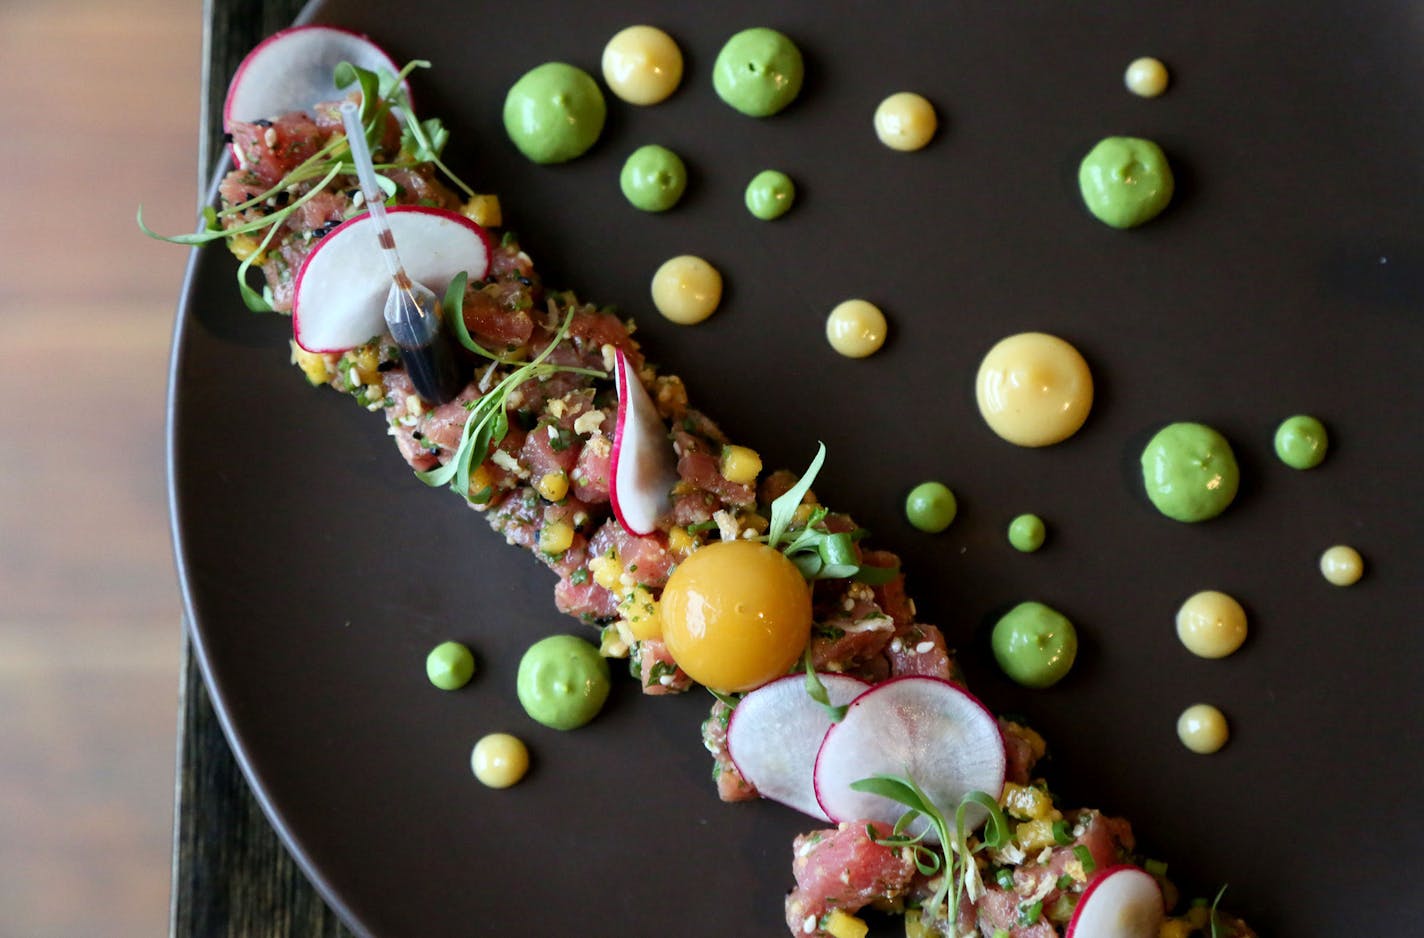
pixel 342 285
pixel 643 464
pixel 922 729
pixel 292 70
pixel 1120 902
pixel 776 731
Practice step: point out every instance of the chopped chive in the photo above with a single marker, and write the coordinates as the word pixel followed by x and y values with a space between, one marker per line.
pixel 1028 914
pixel 1085 857
pixel 1061 833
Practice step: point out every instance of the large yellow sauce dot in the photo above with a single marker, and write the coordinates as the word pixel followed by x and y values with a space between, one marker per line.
pixel 642 65
pixel 736 614
pixel 1211 624
pixel 687 289
pixel 1034 389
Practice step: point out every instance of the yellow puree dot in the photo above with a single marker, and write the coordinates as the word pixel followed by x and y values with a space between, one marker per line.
pixel 1341 565
pixel 1034 389
pixel 905 121
pixel 1202 728
pixel 642 65
pixel 499 760
pixel 1146 77
pixel 856 328
pixel 1211 624
pixel 687 289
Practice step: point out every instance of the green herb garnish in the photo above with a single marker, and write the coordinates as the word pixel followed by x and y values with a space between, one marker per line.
pixel 817 690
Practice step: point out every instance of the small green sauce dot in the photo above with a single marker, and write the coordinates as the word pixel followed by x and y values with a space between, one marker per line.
pixel 1035 644
pixel 562 682
pixel 1125 181
pixel 1301 442
pixel 449 666
pixel 1027 533
pixel 1190 472
pixel 653 178
pixel 931 507
pixel 770 194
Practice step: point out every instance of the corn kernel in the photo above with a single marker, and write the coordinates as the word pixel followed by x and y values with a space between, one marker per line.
pixel 556 537
pixel 317 367
pixel 1035 835
pixel 740 464
pixel 841 925
pixel 553 485
pixel 484 210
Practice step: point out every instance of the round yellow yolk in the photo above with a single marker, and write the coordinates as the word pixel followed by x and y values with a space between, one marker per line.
pixel 1034 389
pixel 736 614
pixel 1211 624
pixel 687 289
pixel 905 121
pixel 856 328
pixel 642 65
pixel 1202 728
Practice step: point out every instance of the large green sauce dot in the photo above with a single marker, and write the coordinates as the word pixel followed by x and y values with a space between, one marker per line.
pixel 554 113
pixel 758 72
pixel 653 178
pixel 563 682
pixel 1035 644
pixel 1190 472
pixel 1125 181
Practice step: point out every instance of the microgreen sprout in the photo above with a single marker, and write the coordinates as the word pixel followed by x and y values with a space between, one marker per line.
pixel 488 422
pixel 817 690
pixel 956 856
pixel 1215 927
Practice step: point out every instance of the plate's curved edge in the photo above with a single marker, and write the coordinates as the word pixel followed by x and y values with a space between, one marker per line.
pixel 195 635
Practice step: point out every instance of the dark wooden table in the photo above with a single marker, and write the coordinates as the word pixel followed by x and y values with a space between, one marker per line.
pixel 231 874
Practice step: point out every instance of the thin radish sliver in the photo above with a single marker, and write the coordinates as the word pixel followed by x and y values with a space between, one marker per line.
pixel 920 728
pixel 776 731
pixel 1120 902
pixel 643 465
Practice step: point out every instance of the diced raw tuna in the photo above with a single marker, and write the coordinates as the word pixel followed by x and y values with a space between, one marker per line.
pixel 920 650
pixel 842 868
pixel 593 470
pixel 658 672
pixel 731 786
pixel 1022 748
pixel 586 600
pixel 496 329
pixel 645 558
pixel 998 910
pixel 697 464
pixel 270 149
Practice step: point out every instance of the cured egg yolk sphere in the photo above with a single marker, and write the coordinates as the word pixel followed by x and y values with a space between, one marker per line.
pixel 735 615
pixel 1034 389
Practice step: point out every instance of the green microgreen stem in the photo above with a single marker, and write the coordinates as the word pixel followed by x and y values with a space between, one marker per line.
pixel 816 690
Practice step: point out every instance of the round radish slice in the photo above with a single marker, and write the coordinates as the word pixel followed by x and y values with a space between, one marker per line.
pixel 643 465
pixel 776 731
pixel 341 288
pixel 1120 902
pixel 923 729
pixel 291 70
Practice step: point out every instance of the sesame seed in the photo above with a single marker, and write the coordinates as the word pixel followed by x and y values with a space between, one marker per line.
pixel 270 137
pixel 924 648
pixel 665 680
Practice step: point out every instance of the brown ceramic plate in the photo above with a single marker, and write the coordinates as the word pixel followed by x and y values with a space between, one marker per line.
pixel 1287 277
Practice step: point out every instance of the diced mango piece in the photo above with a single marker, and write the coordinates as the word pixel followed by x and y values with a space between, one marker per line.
pixel 640 611
pixel 317 367
pixel 1033 836
pixel 556 537
pixel 841 925
pixel 1027 803
pixel 740 464
pixel 553 486
pixel 680 542
pixel 244 246
pixel 483 210
pixel 1174 928
pixel 607 570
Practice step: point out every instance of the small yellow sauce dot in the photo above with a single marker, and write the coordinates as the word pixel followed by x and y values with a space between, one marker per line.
pixel 642 65
pixel 1034 389
pixel 905 121
pixel 1211 624
pixel 1341 565
pixel 499 760
pixel 1202 728
pixel 856 328
pixel 1146 77
pixel 687 289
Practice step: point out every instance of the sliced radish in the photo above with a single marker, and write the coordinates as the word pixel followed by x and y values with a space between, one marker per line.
pixel 291 71
pixel 776 731
pixel 920 728
pixel 644 467
pixel 1120 902
pixel 341 288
